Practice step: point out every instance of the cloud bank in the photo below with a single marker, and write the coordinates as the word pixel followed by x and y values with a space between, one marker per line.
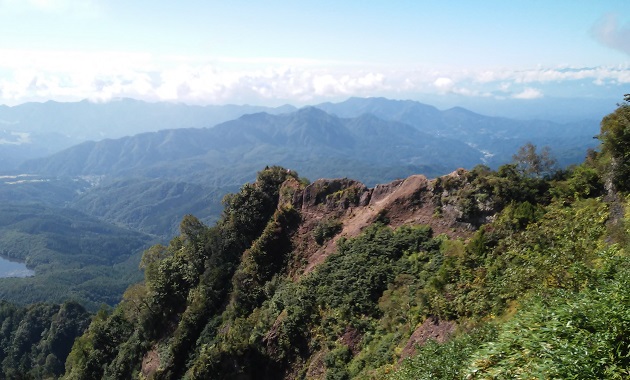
pixel 69 76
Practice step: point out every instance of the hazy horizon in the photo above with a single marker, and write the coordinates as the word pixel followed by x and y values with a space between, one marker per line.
pixel 300 53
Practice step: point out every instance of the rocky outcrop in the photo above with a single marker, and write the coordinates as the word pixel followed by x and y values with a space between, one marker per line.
pixel 333 195
pixel 431 329
pixel 353 206
pixel 150 363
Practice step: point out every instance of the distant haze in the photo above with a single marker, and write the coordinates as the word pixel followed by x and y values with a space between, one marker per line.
pixel 481 55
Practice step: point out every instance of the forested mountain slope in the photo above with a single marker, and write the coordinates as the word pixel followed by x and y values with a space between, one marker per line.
pixel 36 339
pixel 337 280
pixel 34 130
pixel 309 140
pixel 478 274
pixel 74 257
pixel 152 206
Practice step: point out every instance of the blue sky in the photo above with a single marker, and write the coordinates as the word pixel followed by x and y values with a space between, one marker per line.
pixel 300 52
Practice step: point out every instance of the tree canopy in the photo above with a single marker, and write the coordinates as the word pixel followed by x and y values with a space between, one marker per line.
pixel 533 163
pixel 615 138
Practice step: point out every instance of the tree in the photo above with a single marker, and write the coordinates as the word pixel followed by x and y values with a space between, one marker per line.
pixel 534 164
pixel 192 229
pixel 615 138
pixel 150 262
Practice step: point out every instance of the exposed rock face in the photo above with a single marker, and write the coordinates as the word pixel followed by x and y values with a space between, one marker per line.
pixel 414 200
pixel 150 363
pixel 352 338
pixel 332 194
pixel 317 369
pixel 430 329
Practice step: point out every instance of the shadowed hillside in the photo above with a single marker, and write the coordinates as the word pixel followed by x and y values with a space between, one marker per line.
pixel 308 140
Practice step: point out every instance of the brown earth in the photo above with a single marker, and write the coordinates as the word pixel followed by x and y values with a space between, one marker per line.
pixel 414 200
pixel 150 363
pixel 317 368
pixel 351 338
pixel 430 329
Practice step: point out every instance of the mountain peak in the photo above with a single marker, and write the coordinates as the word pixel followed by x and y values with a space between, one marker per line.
pixel 461 111
pixel 311 111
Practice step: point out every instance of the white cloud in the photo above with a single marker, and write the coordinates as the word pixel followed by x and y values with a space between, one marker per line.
pixel 618 74
pixel 528 93
pixel 105 75
pixel 608 32
pixel 29 75
pixel 444 84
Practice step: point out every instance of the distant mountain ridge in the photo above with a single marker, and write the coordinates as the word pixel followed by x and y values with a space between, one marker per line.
pixel 375 140
pixel 34 130
pixel 86 120
pixel 52 126
pixel 500 137
pixel 376 132
pixel 309 139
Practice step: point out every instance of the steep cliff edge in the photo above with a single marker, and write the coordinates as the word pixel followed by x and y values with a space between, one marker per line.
pixel 353 207
pixel 333 279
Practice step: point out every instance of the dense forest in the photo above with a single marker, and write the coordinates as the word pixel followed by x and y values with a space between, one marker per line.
pixel 519 272
pixel 35 340
pixel 75 257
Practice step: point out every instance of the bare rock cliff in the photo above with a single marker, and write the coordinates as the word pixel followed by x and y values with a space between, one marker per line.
pixel 353 206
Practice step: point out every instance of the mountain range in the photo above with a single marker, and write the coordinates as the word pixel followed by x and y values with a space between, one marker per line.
pixel 145 183
pixel 34 130
pixel 310 140
pixel 376 133
pixel 497 137
pixel 375 140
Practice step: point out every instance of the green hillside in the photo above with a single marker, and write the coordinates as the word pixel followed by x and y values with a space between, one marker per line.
pixel 522 273
pixel 75 257
pixel 36 339
pixel 539 291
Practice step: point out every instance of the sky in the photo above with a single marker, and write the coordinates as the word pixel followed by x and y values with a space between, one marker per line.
pixel 272 52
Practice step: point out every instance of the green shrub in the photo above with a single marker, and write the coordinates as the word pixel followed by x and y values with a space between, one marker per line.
pixel 583 335
pixel 444 361
pixel 326 229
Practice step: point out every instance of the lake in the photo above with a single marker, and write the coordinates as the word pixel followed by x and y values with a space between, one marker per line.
pixel 14 269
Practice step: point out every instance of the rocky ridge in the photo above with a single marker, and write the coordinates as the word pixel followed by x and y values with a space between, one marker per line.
pixel 353 206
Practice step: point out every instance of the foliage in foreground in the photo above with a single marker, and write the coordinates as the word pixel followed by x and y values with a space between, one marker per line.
pixel 265 324
pixel 568 336
pixel 540 292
